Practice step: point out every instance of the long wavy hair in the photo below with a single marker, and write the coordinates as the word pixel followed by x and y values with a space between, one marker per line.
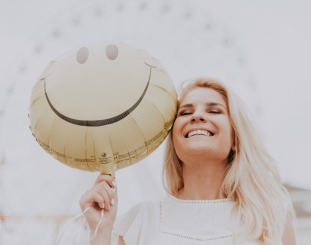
pixel 252 176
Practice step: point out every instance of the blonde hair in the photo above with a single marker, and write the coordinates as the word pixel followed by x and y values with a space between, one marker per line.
pixel 252 176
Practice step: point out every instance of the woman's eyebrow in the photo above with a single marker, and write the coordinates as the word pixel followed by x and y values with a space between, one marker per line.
pixel 208 104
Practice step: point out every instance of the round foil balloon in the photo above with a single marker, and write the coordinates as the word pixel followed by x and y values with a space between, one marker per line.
pixel 102 107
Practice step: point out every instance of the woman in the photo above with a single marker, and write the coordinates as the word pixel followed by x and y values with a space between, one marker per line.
pixel 222 186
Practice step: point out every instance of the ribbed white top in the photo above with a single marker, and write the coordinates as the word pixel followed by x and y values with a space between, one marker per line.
pixel 175 221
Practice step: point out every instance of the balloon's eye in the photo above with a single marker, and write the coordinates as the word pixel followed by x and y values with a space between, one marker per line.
pixel 112 51
pixel 82 55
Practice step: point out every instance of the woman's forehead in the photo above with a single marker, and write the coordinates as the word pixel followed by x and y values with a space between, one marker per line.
pixel 202 95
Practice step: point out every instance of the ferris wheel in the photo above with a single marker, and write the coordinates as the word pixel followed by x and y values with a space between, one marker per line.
pixel 188 41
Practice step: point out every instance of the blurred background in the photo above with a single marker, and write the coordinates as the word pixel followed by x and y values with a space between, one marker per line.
pixel 260 49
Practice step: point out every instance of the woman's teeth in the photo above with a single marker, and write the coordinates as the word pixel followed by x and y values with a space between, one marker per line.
pixel 198 132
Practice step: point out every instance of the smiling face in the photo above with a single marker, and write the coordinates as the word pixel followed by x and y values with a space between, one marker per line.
pixel 202 109
pixel 102 107
pixel 80 85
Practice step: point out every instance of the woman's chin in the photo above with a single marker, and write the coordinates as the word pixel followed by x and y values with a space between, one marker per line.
pixel 197 149
pixel 198 144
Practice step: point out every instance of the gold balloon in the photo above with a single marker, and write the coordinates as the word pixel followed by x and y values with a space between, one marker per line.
pixel 102 107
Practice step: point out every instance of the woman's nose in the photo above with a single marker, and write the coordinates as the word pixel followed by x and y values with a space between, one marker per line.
pixel 196 117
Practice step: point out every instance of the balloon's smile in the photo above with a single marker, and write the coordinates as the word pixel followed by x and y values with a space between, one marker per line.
pixel 96 123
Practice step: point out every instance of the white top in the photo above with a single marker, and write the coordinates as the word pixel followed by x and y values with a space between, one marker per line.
pixel 175 221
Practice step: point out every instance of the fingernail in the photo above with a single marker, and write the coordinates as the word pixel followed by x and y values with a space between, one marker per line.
pixel 108 207
pixel 112 201
pixel 114 189
pixel 114 183
pixel 103 205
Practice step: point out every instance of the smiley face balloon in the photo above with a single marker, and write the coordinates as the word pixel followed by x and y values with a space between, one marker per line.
pixel 102 107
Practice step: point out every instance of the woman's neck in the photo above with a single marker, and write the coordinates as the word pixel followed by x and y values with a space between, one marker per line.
pixel 202 183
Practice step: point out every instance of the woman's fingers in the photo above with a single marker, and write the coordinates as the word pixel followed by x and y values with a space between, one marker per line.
pixel 99 199
pixel 107 193
pixel 88 199
pixel 103 195
pixel 109 179
pixel 106 187
pixel 103 192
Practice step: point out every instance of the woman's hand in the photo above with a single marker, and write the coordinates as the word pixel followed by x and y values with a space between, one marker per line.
pixel 102 195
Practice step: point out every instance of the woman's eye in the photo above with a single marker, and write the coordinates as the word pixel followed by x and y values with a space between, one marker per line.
pixel 216 111
pixel 187 113
pixel 184 113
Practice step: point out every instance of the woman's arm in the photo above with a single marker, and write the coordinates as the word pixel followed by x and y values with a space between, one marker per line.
pixel 289 233
pixel 100 200
pixel 121 241
pixel 101 238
